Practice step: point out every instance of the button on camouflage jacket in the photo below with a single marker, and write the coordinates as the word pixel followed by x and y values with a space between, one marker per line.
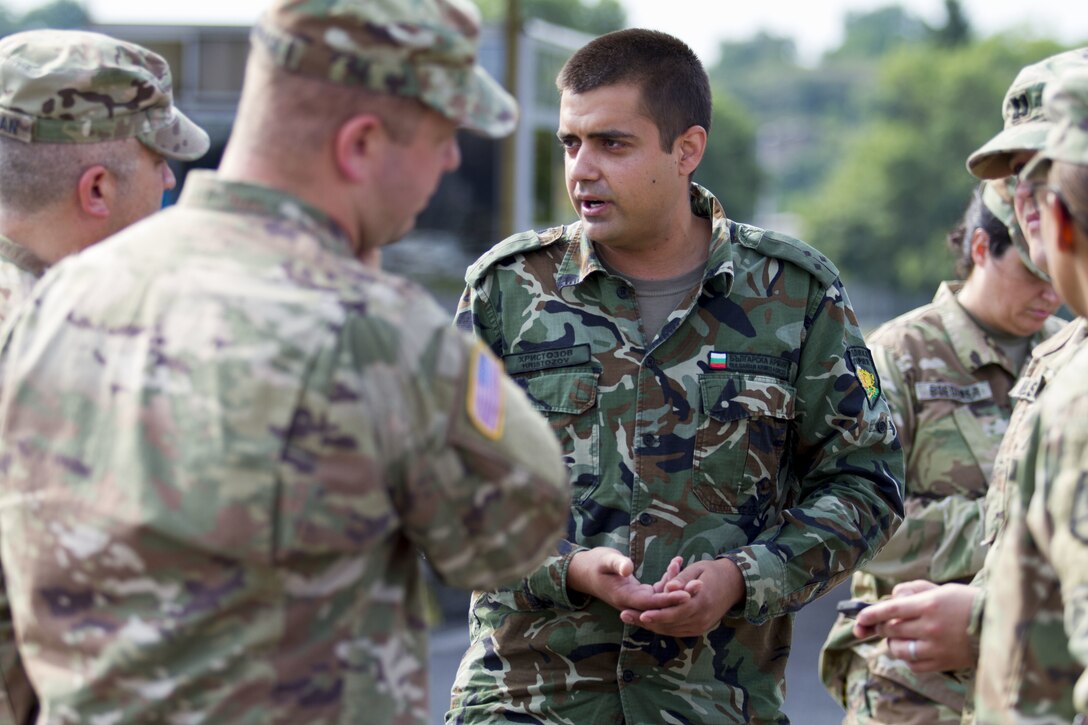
pixel 751 427
pixel 225 442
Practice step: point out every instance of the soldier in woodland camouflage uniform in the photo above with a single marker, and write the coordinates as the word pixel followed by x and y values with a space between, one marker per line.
pixel 1041 566
pixel 226 438
pixel 947 369
pixel 945 622
pixel 86 125
pixel 731 453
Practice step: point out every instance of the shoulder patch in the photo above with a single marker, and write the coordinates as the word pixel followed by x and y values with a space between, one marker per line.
pixel 783 246
pixel 485 402
pixel 865 371
pixel 516 244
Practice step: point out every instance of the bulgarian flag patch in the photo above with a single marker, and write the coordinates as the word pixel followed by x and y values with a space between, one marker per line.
pixel 719 360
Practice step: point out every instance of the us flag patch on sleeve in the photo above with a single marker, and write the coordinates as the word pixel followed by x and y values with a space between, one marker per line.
pixel 486 404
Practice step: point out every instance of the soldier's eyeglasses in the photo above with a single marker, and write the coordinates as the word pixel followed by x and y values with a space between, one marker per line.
pixel 1044 194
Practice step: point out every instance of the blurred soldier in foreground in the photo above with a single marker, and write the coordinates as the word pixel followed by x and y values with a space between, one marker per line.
pixel 731 454
pixel 227 439
pixel 945 622
pixel 1041 565
pixel 86 125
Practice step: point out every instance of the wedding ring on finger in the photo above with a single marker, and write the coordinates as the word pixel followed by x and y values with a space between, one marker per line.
pixel 912 650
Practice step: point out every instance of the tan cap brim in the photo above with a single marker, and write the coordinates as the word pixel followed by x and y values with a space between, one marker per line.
pixel 182 139
pixel 992 160
pixel 1037 168
pixel 479 104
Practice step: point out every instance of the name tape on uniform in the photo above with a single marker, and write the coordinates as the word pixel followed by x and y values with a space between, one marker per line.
pixel 950 391
pixel 748 362
pixel 559 357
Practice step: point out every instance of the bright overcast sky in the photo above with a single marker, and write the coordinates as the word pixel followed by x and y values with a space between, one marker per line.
pixel 816 25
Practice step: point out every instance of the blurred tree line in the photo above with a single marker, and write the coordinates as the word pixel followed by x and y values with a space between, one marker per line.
pixel 867 148
pixel 62 14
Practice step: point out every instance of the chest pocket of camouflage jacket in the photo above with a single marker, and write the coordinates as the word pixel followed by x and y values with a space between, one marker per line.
pixel 954 451
pixel 740 441
pixel 569 399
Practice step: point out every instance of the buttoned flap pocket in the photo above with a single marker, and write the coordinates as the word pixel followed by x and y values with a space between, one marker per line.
pixel 740 443
pixel 955 444
pixel 569 400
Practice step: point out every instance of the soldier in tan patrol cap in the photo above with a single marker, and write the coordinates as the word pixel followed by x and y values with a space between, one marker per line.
pixel 86 125
pixel 228 435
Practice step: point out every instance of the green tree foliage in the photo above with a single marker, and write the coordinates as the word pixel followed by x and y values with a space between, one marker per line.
pixel 875 33
pixel 595 17
pixel 884 211
pixel 956 30
pixel 729 167
pixel 63 14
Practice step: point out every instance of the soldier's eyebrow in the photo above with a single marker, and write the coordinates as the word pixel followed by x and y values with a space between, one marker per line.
pixel 608 134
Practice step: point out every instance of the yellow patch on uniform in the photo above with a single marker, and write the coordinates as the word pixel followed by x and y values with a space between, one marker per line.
pixel 865 371
pixel 868 384
pixel 486 403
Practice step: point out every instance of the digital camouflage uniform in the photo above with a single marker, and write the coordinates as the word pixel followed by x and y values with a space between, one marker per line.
pixel 19 270
pixel 1034 644
pixel 751 427
pixel 63 87
pixel 225 442
pixel 948 387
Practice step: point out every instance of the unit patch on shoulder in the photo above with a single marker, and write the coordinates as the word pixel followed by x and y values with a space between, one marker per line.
pixel 486 404
pixel 865 371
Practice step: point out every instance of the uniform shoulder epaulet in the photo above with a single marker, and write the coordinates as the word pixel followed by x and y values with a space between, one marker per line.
pixel 783 246
pixel 515 244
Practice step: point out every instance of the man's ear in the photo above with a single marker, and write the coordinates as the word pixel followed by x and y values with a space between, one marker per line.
pixel 358 146
pixel 692 146
pixel 96 191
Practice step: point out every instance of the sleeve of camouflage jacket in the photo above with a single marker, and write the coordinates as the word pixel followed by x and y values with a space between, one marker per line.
pixel 847 458
pixel 485 506
pixel 549 581
pixel 1058 518
pixel 939 539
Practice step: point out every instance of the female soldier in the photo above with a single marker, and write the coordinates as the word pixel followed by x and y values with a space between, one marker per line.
pixel 946 369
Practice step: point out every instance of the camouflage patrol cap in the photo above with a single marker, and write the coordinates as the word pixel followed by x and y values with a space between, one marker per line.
pixel 1066 104
pixel 423 49
pixel 66 86
pixel 1025 123
pixel 997 195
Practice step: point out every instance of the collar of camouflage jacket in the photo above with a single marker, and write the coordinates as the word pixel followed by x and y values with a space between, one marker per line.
pixel 205 190
pixel 21 257
pixel 581 259
pixel 973 346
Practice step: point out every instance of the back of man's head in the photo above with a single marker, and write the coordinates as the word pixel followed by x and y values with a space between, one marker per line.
pixel 73 99
pixel 674 85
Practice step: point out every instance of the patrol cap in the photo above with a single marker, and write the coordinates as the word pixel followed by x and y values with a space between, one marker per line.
pixel 1066 104
pixel 69 86
pixel 422 49
pixel 1025 123
pixel 997 196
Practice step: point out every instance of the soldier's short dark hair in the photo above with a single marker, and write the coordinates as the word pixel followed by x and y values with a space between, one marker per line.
pixel 674 85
